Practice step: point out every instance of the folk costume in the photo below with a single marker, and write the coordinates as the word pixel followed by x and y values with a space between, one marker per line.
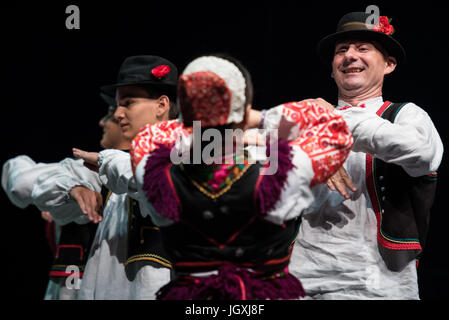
pixel 228 226
pixel 105 275
pixel 127 260
pixel 366 247
pixel 74 238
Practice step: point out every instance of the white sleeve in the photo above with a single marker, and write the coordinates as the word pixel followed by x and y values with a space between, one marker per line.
pixel 51 190
pixel 18 177
pixel 296 195
pixel 412 141
pixel 279 118
pixel 116 172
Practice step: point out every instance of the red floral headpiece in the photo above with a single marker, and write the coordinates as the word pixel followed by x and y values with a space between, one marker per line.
pixel 204 96
pixel 384 26
pixel 160 71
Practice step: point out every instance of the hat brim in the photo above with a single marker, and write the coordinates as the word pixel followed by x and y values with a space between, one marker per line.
pixel 110 89
pixel 326 46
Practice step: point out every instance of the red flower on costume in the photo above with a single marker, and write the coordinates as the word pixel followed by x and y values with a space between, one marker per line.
pixel 384 26
pixel 160 71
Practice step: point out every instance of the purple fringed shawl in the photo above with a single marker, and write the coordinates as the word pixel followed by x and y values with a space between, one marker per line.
pixel 157 183
pixel 160 192
pixel 233 283
pixel 270 186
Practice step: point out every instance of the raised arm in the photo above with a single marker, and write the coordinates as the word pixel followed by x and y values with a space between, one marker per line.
pixel 411 142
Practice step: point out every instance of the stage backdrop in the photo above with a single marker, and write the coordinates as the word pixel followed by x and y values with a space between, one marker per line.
pixel 51 77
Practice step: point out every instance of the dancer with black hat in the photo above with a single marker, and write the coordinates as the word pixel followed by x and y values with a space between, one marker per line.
pixel 126 260
pixel 145 93
pixel 71 240
pixel 228 225
pixel 366 247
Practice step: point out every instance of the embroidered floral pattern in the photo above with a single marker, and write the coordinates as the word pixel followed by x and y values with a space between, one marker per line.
pixel 216 179
pixel 151 135
pixel 324 136
pixel 204 96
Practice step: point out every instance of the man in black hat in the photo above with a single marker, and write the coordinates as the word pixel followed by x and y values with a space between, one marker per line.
pixel 69 234
pixel 366 246
pixel 127 261
pixel 145 93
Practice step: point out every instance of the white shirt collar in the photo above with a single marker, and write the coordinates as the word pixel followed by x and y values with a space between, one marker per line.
pixel 373 102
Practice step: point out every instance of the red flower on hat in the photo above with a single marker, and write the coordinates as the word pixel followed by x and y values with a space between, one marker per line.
pixel 384 26
pixel 160 71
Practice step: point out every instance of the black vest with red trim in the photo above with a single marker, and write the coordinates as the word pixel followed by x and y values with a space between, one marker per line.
pixel 228 229
pixel 73 249
pixel 401 203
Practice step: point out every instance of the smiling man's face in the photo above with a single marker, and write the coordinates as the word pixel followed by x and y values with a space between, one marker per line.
pixel 359 68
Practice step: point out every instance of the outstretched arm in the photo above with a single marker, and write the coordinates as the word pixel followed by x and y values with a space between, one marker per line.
pixel 48 186
pixel 411 142
pixel 55 191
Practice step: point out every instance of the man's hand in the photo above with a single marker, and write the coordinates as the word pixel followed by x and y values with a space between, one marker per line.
pixel 90 158
pixel 341 182
pixel 90 202
pixel 46 216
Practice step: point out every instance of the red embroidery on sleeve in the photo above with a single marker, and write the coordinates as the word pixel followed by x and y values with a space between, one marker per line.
pixel 151 135
pixel 324 136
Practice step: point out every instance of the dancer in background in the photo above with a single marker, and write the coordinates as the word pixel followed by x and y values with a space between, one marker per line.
pixel 127 260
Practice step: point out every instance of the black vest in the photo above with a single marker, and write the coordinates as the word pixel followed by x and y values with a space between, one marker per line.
pixel 402 205
pixel 213 232
pixel 144 242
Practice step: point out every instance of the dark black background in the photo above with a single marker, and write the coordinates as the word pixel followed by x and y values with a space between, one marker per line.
pixel 51 78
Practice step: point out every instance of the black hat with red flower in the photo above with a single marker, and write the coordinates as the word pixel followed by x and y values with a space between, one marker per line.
pixel 144 70
pixel 358 26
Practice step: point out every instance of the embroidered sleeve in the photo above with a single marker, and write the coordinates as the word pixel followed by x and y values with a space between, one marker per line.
pixel 323 136
pixel 150 136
